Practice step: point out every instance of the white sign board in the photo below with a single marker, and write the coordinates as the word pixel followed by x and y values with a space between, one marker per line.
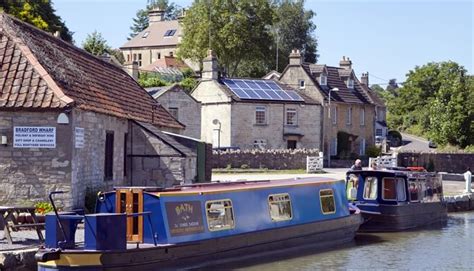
pixel 79 138
pixel 34 137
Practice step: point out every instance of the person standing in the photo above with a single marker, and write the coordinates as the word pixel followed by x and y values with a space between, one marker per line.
pixel 468 179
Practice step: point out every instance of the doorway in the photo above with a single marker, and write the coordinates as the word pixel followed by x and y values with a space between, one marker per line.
pixel 291 144
pixel 131 201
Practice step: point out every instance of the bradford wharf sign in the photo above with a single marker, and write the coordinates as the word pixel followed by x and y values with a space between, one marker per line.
pixel 34 137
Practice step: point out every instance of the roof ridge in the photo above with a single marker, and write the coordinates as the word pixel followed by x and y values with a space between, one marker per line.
pixel 28 54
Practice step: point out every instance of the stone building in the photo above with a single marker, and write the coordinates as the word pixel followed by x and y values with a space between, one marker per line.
pixel 181 106
pixel 349 111
pixel 71 121
pixel 247 114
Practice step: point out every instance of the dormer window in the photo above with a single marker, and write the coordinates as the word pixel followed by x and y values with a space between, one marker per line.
pixel 170 33
pixel 350 83
pixel 302 84
pixel 323 80
pixel 146 34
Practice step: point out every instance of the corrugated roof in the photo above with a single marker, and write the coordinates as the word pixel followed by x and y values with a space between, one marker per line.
pixel 41 71
pixel 156 35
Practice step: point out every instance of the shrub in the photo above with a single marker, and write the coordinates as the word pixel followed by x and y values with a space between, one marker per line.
pixel 373 151
pixel 43 207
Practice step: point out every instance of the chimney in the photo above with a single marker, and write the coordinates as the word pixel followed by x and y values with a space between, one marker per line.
pixel 364 79
pixel 345 63
pixel 295 57
pixel 209 66
pixel 132 69
pixel 155 15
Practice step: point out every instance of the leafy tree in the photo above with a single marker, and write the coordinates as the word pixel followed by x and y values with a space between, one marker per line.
pixel 96 44
pixel 293 29
pixel 148 80
pixel 237 30
pixel 38 13
pixel 188 84
pixel 140 22
pixel 435 101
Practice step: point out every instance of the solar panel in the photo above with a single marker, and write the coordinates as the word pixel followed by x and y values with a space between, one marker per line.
pixel 259 89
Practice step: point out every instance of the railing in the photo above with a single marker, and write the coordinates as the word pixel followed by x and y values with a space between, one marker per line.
pixel 383 161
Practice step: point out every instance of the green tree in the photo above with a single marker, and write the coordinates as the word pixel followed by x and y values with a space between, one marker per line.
pixel 435 101
pixel 237 30
pixel 140 22
pixel 293 29
pixel 38 13
pixel 96 44
pixel 148 80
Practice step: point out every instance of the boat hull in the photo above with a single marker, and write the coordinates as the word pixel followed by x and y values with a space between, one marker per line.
pixel 213 251
pixel 402 217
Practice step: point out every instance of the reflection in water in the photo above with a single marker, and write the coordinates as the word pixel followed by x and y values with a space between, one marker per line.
pixel 449 246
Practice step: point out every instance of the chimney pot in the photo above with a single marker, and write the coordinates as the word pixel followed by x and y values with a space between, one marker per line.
pixel 345 63
pixel 295 57
pixel 364 79
pixel 155 15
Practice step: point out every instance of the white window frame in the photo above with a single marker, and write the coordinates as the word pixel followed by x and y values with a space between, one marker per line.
pixel 327 196
pixel 232 212
pixel 349 116
pixel 301 84
pixel 365 188
pixel 362 147
pixel 261 109
pixel 334 115
pixel 396 189
pixel 275 219
pixel 321 81
pixel 362 116
pixel 350 83
pixel 295 118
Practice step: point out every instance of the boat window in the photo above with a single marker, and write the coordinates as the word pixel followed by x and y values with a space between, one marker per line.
pixel 352 183
pixel 220 215
pixel 328 205
pixel 370 188
pixel 393 189
pixel 280 207
pixel 414 190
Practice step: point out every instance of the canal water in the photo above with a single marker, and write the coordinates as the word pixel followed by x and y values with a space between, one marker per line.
pixel 442 247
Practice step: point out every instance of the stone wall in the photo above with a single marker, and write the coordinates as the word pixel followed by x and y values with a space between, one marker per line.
pixel 154 163
pixel 441 162
pixel 189 110
pixel 88 162
pixel 270 159
pixel 28 174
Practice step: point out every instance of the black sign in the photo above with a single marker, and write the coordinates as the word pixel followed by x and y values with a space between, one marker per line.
pixel 184 217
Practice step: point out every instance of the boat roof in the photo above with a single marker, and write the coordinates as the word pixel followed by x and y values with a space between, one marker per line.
pixel 396 171
pixel 224 187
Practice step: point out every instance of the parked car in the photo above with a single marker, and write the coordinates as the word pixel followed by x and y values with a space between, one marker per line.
pixel 432 144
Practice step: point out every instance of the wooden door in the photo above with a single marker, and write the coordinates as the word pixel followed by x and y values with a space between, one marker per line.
pixel 130 201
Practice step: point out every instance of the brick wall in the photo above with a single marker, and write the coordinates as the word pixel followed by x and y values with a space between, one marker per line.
pixel 271 159
pixel 444 162
pixel 27 175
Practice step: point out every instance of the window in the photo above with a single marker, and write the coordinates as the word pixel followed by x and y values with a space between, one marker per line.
pixel 260 115
pixel 362 146
pixel 378 132
pixel 333 148
pixel 352 183
pixel 280 207
pixel 128 57
pixel 370 188
pixel 139 59
pixel 220 215
pixel 393 189
pixel 125 144
pixel 171 54
pixel 302 84
pixel 350 83
pixel 260 144
pixel 328 205
pixel 323 80
pixel 109 156
pixel 170 33
pixel 145 35
pixel 158 56
pixel 173 111
pixel 291 116
pixel 362 116
pixel 414 190
pixel 349 116
pixel 334 115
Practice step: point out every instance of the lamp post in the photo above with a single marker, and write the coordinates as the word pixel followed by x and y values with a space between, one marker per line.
pixel 330 131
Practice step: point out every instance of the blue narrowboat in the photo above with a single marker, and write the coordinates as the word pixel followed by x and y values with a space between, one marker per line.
pixel 396 199
pixel 145 228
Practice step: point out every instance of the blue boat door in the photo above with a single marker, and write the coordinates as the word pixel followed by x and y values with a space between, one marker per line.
pixel 129 201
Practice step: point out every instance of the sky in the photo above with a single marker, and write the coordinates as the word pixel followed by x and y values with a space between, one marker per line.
pixel 386 38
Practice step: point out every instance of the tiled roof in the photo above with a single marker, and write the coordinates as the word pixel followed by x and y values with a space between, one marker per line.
pixel 156 35
pixel 166 62
pixel 315 68
pixel 41 71
pixel 334 80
